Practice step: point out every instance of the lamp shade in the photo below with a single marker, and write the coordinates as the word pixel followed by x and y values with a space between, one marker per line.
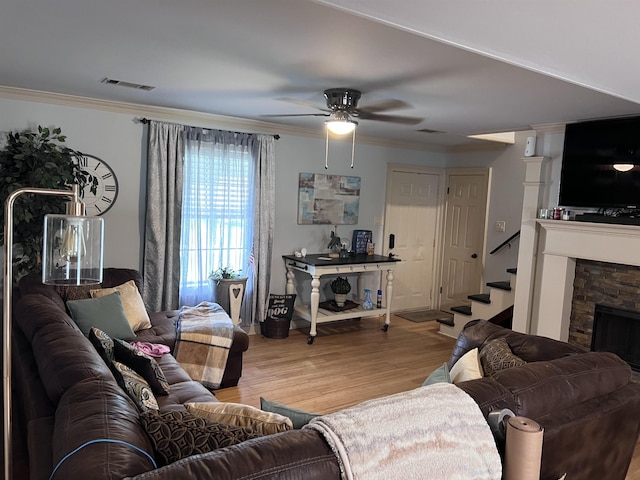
pixel 623 167
pixel 72 250
pixel 341 127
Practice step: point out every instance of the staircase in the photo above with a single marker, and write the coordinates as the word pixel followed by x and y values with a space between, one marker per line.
pixel 483 305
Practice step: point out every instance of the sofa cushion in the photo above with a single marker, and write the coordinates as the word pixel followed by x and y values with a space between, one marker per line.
pixel 105 313
pixel 143 364
pixel 467 368
pixel 241 416
pixel 439 375
pixel 177 435
pixel 135 386
pixel 96 409
pixel 299 418
pixel 496 355
pixel 103 344
pixel 132 303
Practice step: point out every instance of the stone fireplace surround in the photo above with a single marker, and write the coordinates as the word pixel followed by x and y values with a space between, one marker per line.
pixel 550 292
pixel 609 284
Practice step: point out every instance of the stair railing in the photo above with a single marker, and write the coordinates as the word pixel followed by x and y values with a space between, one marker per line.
pixel 505 243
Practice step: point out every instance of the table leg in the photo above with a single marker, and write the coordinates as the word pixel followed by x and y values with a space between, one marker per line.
pixel 315 301
pixel 291 287
pixel 387 320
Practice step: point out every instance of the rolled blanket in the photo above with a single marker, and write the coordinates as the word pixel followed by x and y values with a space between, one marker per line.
pixel 205 334
pixel 433 432
pixel 152 349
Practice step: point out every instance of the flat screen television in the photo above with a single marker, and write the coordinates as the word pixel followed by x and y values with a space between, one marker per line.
pixel 591 149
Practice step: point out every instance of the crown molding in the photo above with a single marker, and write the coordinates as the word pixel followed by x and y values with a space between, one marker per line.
pixel 549 128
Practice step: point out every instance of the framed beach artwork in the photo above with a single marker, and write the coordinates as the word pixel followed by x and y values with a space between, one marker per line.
pixel 328 199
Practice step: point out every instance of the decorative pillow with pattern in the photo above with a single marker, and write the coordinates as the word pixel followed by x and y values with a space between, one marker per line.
pixel 143 364
pixel 135 386
pixel 177 434
pixel 496 355
pixel 103 344
pixel 241 416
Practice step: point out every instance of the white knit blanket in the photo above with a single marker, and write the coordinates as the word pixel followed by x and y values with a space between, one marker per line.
pixel 434 432
pixel 203 341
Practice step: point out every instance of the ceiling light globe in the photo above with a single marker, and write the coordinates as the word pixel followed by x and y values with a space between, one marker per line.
pixel 340 127
pixel 623 167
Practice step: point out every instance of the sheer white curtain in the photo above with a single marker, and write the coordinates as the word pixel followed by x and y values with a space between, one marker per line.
pixel 217 211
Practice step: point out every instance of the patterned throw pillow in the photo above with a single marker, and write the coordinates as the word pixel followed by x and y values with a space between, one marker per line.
pixel 135 386
pixel 496 355
pixel 103 344
pixel 241 416
pixel 143 364
pixel 177 435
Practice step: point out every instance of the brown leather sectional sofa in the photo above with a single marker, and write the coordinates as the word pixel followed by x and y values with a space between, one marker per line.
pixel 66 396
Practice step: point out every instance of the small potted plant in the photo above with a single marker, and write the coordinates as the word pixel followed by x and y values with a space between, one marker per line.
pixel 340 287
pixel 228 289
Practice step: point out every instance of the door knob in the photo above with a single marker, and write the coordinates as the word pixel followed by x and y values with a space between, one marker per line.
pixel 474 255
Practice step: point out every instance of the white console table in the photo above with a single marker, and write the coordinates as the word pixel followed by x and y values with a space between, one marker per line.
pixel 318 265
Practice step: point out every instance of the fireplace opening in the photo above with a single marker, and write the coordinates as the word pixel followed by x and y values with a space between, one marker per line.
pixel 617 331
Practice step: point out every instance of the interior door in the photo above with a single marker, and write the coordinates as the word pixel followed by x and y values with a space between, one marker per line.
pixel 463 237
pixel 411 216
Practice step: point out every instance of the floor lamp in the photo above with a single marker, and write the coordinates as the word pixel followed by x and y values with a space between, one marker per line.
pixel 72 255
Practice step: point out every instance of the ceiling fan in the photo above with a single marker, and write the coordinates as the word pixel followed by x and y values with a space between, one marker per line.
pixel 342 108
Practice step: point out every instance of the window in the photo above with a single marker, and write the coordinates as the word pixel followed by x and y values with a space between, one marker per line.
pixel 217 213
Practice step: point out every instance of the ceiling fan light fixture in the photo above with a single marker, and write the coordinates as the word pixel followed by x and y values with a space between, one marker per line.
pixel 340 123
pixel 623 167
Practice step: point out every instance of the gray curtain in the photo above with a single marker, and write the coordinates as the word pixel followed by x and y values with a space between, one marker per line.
pixel 161 256
pixel 263 223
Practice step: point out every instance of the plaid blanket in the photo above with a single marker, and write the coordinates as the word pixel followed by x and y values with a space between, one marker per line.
pixel 205 334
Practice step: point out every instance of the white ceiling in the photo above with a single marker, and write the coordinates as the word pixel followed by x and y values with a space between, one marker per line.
pixel 464 67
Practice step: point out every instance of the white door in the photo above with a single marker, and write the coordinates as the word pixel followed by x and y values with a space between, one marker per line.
pixel 411 216
pixel 463 245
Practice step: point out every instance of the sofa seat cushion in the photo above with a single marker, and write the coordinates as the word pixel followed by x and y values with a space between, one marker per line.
pixel 181 388
pixel 163 329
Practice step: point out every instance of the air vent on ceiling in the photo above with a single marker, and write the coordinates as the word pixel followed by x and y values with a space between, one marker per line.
pixel 120 83
pixel 428 130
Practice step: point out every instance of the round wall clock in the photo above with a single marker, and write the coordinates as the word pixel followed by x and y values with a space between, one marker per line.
pixel 107 189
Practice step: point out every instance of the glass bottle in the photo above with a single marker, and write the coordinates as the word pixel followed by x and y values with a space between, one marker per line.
pixel 367 304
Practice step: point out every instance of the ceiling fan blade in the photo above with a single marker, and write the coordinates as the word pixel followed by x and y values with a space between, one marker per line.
pixel 296 115
pixel 302 103
pixel 385 105
pixel 390 118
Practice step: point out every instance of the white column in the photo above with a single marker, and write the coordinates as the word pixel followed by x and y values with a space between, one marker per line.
pixel 525 279
pixel 556 293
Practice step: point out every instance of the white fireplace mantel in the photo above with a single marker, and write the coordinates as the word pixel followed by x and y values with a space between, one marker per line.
pixel 559 244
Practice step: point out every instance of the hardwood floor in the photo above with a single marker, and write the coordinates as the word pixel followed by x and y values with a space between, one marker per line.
pixel 350 361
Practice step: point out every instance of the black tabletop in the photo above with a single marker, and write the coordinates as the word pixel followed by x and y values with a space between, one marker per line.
pixel 322 259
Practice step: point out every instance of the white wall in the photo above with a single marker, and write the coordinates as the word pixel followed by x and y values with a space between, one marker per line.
pixel 121 141
pixel 504 201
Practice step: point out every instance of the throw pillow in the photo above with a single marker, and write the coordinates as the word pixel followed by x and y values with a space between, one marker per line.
pixel 132 303
pixel 135 386
pixel 103 344
pixel 467 367
pixel 281 306
pixel 177 435
pixel 143 364
pixel 496 355
pixel 439 375
pixel 105 313
pixel 299 418
pixel 241 416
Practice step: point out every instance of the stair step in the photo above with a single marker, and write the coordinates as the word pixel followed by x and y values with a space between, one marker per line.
pixel 446 321
pixel 480 297
pixel 500 285
pixel 462 309
pixel 512 270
